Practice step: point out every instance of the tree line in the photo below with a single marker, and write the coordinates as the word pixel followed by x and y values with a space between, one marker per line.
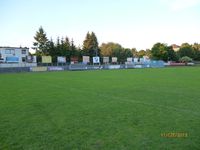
pixel 66 47
pixel 161 51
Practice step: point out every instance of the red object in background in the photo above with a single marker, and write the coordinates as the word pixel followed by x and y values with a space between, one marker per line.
pixel 176 64
pixel 74 59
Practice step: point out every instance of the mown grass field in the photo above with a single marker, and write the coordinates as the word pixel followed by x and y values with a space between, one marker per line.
pixel 107 109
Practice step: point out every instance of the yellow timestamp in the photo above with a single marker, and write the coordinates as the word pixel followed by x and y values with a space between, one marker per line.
pixel 174 135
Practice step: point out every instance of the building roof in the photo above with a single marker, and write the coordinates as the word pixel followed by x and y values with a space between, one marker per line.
pixel 14 47
pixel 175 46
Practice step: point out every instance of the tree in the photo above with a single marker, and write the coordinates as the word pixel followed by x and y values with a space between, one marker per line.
pixel 141 53
pixel 87 44
pixel 125 54
pixel 41 42
pixel 148 53
pixel 95 44
pixel 90 45
pixel 62 47
pixel 66 51
pixel 73 49
pixel 52 50
pixel 115 50
pixel 134 52
pixel 58 47
pixel 196 51
pixel 172 55
pixel 122 54
pixel 159 51
pixel 108 48
pixel 185 59
pixel 186 50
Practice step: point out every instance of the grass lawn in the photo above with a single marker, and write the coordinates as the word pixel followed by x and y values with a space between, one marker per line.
pixel 107 109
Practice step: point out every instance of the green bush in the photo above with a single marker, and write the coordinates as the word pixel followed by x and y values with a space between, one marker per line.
pixel 185 59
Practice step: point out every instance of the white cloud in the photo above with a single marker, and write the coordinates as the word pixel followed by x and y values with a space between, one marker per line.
pixel 177 5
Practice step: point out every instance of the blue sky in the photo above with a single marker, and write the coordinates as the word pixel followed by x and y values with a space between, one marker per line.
pixel 131 23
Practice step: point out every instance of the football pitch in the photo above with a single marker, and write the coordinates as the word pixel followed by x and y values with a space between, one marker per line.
pixel 104 109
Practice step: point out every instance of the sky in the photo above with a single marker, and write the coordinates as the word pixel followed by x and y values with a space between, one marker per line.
pixel 132 23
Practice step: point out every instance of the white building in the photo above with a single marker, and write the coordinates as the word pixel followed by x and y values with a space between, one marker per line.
pixel 175 47
pixel 16 57
pixel 14 54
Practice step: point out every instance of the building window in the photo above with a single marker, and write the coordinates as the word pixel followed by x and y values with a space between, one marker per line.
pixel 23 59
pixel 1 59
pixel 12 51
pixel 8 51
pixel 23 51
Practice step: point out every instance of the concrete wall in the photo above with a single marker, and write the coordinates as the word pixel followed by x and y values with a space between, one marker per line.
pixel 14 70
pixel 12 65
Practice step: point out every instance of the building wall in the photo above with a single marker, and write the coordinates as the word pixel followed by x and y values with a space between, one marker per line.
pixel 176 49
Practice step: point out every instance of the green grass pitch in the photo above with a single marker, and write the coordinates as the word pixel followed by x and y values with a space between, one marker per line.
pixel 105 109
